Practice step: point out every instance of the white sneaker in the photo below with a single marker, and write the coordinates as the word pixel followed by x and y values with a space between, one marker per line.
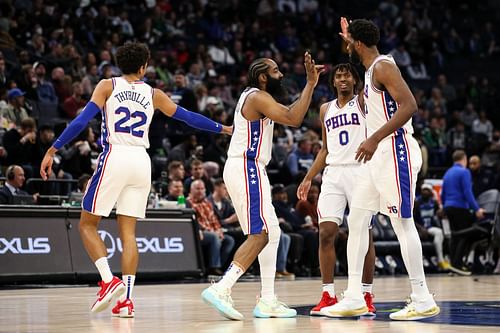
pixel 221 300
pixel 347 307
pixel 416 310
pixel 273 309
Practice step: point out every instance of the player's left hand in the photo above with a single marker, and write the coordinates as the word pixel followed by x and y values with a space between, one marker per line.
pixel 366 150
pixel 227 129
pixel 344 26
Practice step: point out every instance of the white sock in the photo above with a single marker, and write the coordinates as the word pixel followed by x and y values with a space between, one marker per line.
pixel 330 288
pixel 267 263
pixel 357 247
pixel 232 274
pixel 129 283
pixel 366 287
pixel 411 251
pixel 104 270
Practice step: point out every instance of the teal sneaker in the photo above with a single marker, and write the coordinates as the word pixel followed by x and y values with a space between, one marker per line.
pixel 222 302
pixel 273 309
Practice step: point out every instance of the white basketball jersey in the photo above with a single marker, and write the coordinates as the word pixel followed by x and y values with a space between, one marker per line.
pixel 127 114
pixel 251 140
pixel 345 130
pixel 380 106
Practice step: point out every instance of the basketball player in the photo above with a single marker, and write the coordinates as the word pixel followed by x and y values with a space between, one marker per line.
pixel 386 183
pixel 248 186
pixel 123 173
pixel 343 128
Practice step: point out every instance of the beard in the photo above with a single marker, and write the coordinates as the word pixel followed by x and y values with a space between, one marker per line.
pixel 354 57
pixel 274 87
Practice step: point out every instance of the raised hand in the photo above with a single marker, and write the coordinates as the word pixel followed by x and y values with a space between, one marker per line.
pixel 344 25
pixel 312 70
pixel 303 189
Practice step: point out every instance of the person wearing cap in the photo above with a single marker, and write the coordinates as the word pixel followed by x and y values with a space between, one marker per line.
pixel 14 112
pixel 427 212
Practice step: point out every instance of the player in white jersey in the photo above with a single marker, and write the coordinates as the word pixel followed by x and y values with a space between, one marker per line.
pixel 123 173
pixel 392 160
pixel 248 186
pixel 343 130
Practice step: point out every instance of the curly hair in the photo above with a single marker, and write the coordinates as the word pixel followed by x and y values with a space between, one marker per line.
pixel 346 67
pixel 257 67
pixel 131 56
pixel 365 31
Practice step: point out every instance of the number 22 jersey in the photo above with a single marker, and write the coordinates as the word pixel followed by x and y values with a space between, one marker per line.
pixel 127 114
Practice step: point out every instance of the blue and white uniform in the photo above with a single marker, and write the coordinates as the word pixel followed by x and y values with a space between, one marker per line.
pixel 387 182
pixel 245 170
pixel 123 173
pixel 345 130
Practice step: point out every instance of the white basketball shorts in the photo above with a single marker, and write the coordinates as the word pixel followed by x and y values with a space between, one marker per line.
pixel 122 177
pixel 248 186
pixel 336 191
pixel 387 182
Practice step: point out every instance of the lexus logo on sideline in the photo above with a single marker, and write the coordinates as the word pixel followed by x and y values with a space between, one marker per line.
pixel 29 245
pixel 144 244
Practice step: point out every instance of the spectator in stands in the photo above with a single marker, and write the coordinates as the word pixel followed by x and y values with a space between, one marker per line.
pixel 483 126
pixel 211 233
pixel 447 90
pixel 456 137
pixel 77 157
pixel 301 159
pixel 15 110
pixel 401 56
pixel 198 172
pixel 469 115
pixel 175 189
pixel 75 102
pixel 13 184
pixel 483 179
pixel 305 228
pixel 185 150
pixel 458 200
pixel 45 90
pixel 224 210
pixel 426 213
pixel 435 140
pixel 176 171
pixel 20 145
pixel 308 209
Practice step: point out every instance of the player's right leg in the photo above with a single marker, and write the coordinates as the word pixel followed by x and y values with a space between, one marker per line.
pixel 328 231
pixel 111 286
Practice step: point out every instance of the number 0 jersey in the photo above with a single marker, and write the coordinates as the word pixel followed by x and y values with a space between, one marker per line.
pixel 251 140
pixel 127 114
pixel 345 130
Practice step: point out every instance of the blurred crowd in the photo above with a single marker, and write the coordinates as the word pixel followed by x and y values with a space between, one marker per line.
pixel 53 54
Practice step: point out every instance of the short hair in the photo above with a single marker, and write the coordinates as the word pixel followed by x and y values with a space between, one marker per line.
pixel 458 155
pixel 131 56
pixel 28 123
pixel 218 182
pixel 172 181
pixel 364 31
pixel 82 181
pixel 174 165
pixel 196 162
pixel 346 67
pixel 257 67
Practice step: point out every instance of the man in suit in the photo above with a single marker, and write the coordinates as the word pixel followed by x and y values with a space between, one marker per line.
pixel 13 184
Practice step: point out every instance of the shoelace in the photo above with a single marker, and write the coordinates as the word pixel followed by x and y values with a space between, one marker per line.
pixel 410 305
pixel 226 297
pixel 275 304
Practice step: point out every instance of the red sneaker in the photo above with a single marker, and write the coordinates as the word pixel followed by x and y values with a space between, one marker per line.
pixel 326 300
pixel 369 304
pixel 108 290
pixel 123 309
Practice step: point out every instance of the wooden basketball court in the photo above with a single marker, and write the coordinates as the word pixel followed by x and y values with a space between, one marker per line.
pixel 469 304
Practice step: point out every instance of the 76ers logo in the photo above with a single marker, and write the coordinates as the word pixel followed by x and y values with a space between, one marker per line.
pixel 392 209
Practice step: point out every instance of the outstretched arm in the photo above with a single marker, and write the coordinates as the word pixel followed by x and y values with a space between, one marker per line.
pixel 294 114
pixel 162 102
pixel 93 107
